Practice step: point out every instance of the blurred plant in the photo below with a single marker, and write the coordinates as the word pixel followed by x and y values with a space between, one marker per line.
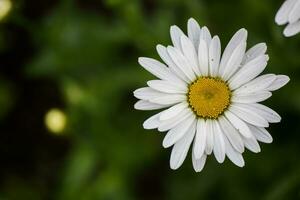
pixel 88 49
pixel 6 97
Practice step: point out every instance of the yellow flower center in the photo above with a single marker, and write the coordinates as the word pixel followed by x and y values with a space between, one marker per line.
pixel 209 97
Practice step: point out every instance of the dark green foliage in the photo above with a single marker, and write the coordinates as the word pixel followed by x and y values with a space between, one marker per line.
pixel 81 56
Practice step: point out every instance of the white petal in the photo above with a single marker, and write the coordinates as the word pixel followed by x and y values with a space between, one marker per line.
pixel 261 134
pixel 252 144
pixel 232 134
pixel 281 80
pixel 146 105
pixel 190 53
pixel 172 122
pixel 209 137
pixel 283 13
pixel 178 131
pixel 238 38
pixel 233 155
pixel 154 97
pixel 258 84
pixel 169 99
pixel 239 124
pixel 152 122
pixel 182 63
pixel 176 33
pixel 200 139
pixel 214 56
pixel 146 93
pixel 167 87
pixel 181 148
pixel 194 32
pixel 163 53
pixel 292 29
pixel 155 67
pixel 203 57
pixel 198 164
pixel 294 15
pixel 264 111
pixel 234 61
pixel 249 71
pixel 251 97
pixel 254 52
pixel 219 144
pixel 248 115
pixel 173 111
pixel 205 35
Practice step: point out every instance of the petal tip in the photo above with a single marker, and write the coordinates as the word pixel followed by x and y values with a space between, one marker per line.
pixel 192 20
pixel 136 106
pixel 285 78
pixel 159 46
pixel 166 143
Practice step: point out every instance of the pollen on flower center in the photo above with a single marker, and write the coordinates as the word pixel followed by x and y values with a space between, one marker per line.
pixel 209 97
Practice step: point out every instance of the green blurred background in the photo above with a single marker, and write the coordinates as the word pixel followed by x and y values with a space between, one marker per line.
pixel 68 130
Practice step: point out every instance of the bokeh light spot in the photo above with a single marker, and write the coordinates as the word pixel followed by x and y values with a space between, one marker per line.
pixel 56 121
pixel 5 7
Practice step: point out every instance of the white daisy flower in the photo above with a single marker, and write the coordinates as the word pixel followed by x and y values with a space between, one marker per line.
pixel 211 101
pixel 289 13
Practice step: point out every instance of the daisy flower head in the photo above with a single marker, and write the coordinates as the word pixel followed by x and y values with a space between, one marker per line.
pixel 210 101
pixel 289 13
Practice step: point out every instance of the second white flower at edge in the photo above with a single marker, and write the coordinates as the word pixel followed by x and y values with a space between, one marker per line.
pixel 289 13
pixel 210 100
